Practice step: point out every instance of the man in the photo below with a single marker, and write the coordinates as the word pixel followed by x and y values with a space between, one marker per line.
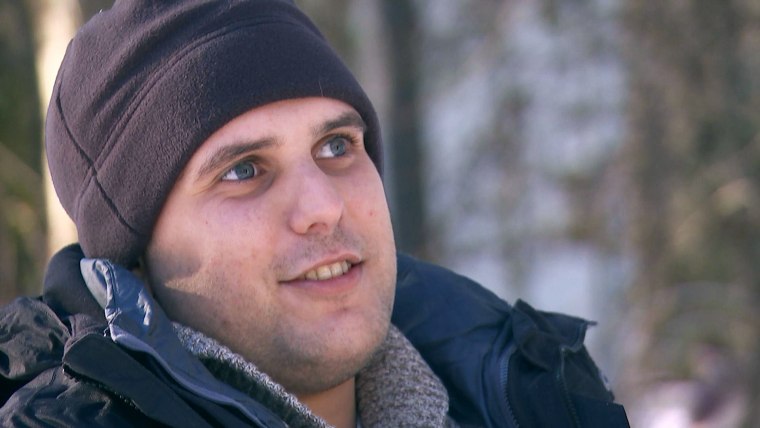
pixel 236 264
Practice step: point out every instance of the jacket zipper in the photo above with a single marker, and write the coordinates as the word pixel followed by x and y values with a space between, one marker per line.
pixel 89 381
pixel 563 385
pixel 511 420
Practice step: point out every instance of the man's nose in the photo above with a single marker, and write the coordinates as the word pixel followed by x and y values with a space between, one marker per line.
pixel 316 203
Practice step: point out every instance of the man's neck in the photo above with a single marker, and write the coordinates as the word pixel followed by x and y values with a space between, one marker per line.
pixel 337 406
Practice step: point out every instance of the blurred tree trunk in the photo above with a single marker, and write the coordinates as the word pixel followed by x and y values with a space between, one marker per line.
pixel 22 239
pixel 693 159
pixel 55 22
pixel 403 133
pixel 33 37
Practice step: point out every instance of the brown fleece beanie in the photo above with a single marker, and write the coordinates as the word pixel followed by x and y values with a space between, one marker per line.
pixel 144 84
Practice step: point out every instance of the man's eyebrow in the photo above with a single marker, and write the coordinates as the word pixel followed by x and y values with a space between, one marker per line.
pixel 347 119
pixel 230 152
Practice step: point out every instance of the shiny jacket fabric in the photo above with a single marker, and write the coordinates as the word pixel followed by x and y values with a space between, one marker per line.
pixel 64 361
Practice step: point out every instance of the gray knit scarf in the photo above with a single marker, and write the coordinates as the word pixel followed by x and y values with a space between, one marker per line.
pixel 396 389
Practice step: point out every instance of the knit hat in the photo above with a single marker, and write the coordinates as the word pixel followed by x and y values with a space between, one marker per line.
pixel 144 84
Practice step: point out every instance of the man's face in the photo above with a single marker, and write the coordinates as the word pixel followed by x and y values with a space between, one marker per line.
pixel 276 241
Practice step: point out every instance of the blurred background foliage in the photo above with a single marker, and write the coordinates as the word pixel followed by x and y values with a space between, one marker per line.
pixel 597 157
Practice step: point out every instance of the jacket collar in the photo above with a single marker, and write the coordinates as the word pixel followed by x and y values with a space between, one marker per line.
pixel 137 323
pixel 65 290
pixel 397 388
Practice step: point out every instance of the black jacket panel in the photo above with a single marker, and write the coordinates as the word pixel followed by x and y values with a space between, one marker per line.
pixel 37 390
pixel 503 366
pixel 32 340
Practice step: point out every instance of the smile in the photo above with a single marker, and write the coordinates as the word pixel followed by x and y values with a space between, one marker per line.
pixel 329 271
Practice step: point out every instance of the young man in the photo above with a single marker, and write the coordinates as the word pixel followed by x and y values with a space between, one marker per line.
pixel 236 264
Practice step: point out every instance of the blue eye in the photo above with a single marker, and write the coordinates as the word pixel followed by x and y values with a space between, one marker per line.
pixel 241 171
pixel 334 147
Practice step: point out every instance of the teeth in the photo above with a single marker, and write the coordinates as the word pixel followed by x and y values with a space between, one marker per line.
pixel 328 271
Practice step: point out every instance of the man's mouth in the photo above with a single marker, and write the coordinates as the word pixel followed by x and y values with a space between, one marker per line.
pixel 328 271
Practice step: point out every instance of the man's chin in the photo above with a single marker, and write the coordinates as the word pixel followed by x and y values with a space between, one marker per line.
pixel 322 376
pixel 336 362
